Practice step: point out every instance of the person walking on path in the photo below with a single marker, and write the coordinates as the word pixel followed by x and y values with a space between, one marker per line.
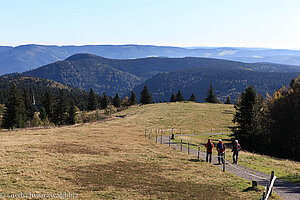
pixel 221 151
pixel 235 149
pixel 209 148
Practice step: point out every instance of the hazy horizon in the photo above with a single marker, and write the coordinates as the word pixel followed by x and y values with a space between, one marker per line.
pixel 231 23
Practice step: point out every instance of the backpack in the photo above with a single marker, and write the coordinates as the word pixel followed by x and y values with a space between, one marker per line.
pixel 220 146
pixel 236 147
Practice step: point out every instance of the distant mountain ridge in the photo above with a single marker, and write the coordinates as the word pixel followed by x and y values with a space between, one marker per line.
pixel 27 57
pixel 165 76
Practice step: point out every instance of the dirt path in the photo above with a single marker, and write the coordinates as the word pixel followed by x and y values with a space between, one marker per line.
pixel 283 188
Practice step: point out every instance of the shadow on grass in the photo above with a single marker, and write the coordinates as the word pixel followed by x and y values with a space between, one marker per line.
pixel 195 160
pixel 251 189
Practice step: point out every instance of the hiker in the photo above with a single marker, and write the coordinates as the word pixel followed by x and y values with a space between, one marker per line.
pixel 209 148
pixel 235 149
pixel 221 151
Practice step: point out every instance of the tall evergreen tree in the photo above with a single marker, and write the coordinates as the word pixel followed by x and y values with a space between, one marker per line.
pixel 179 96
pixel 132 99
pixel 116 101
pixel 92 101
pixel 72 114
pixel 173 98
pixel 146 97
pixel 228 101
pixel 104 101
pixel 47 103
pixel 14 115
pixel 246 116
pixel 61 109
pixel 29 107
pixel 43 114
pixel 211 97
pixel 193 98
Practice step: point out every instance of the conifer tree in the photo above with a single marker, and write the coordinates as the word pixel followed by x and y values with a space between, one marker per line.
pixel 116 101
pixel 211 97
pixel 47 103
pixel 247 110
pixel 173 98
pixel 228 101
pixel 146 97
pixel 14 115
pixel 193 98
pixel 179 96
pixel 61 109
pixel 92 101
pixel 104 101
pixel 72 114
pixel 132 99
pixel 29 107
pixel 43 114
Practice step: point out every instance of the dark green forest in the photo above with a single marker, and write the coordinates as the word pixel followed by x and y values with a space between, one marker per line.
pixel 226 82
pixel 165 76
pixel 272 125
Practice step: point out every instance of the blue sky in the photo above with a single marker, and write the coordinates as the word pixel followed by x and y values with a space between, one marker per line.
pixel 248 23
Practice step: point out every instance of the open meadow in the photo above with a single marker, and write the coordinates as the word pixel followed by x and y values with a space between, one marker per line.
pixel 113 159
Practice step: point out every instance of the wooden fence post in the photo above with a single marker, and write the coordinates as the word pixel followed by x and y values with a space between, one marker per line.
pixel 198 154
pixel 272 176
pixel 156 138
pixel 181 146
pixel 224 163
pixel 169 141
pixel 161 140
pixel 188 147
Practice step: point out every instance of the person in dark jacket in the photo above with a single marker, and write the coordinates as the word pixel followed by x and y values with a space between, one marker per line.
pixel 235 149
pixel 221 151
pixel 209 148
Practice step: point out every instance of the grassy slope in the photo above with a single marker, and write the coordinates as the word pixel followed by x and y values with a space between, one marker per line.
pixel 113 160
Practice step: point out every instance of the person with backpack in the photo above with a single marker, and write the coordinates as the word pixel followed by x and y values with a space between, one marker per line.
pixel 221 151
pixel 209 148
pixel 235 149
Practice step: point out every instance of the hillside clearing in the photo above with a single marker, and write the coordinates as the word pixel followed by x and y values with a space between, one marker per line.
pixel 113 160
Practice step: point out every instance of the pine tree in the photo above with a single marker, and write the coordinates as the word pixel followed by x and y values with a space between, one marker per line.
pixel 104 101
pixel 29 107
pixel 132 99
pixel 173 98
pixel 193 98
pixel 47 103
pixel 61 109
pixel 92 101
pixel 246 118
pixel 228 101
pixel 14 115
pixel 43 114
pixel 211 97
pixel 116 101
pixel 179 96
pixel 72 114
pixel 145 96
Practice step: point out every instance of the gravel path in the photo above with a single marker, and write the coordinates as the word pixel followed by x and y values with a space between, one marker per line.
pixel 283 188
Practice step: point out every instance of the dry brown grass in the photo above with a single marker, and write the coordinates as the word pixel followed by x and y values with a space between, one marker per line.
pixel 111 160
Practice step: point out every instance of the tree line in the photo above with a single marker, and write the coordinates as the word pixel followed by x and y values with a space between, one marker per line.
pixel 270 126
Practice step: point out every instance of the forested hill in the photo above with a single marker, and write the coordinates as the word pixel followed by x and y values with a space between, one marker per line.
pixel 226 82
pixel 87 71
pixel 188 74
pixel 27 57
pixel 37 87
